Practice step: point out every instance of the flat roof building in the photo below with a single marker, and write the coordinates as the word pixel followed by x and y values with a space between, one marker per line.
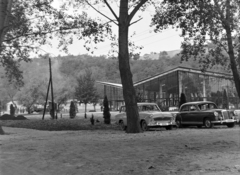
pixel 165 89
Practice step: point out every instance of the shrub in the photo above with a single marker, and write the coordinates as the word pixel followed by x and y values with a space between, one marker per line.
pixel 92 120
pixel 12 110
pixel 7 117
pixel 72 111
pixel 106 113
pixel 182 99
pixel 20 117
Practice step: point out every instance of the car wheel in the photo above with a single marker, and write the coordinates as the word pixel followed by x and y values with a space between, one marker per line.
pixel 208 123
pixel 122 126
pixel 169 127
pixel 178 123
pixel 144 126
pixel 231 125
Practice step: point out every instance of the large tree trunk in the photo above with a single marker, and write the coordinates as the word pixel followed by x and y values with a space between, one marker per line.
pixel 133 125
pixel 233 62
pixel 5 10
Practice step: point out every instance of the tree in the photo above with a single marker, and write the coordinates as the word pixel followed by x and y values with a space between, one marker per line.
pixel 106 113
pixel 12 110
pixel 85 90
pixel 127 10
pixel 211 31
pixel 182 99
pixel 31 94
pixel 72 111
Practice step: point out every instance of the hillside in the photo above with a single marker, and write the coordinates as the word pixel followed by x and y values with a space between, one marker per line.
pixel 155 56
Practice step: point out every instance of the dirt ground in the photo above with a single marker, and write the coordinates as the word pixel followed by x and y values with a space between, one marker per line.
pixel 177 152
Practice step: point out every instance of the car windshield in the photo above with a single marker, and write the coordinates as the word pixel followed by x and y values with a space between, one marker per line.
pixel 207 106
pixel 148 108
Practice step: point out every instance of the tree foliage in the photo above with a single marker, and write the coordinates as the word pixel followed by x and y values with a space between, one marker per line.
pixel 210 30
pixel 106 111
pixel 85 90
pixel 26 25
pixel 12 110
pixel 182 99
pixel 72 110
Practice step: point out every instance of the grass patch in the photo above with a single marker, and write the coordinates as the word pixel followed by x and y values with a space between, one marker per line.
pixel 58 125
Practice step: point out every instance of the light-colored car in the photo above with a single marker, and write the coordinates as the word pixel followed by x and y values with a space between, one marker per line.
pixel 150 116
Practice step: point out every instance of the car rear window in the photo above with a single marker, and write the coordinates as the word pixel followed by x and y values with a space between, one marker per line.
pixel 185 108
pixel 148 108
pixel 207 106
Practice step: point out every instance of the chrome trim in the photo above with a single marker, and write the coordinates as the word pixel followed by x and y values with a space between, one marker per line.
pixel 224 121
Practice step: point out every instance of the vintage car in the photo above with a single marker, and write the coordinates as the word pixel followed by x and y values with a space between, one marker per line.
pixel 150 117
pixel 204 113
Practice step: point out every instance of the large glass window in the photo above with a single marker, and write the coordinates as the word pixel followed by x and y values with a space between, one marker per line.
pixel 172 89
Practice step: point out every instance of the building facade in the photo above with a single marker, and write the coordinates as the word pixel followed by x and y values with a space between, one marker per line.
pixel 165 89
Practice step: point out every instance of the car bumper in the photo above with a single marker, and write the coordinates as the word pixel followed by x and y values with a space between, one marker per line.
pixel 222 122
pixel 161 124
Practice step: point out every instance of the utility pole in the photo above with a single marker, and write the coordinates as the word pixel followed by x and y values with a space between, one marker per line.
pixel 53 104
pixel 50 84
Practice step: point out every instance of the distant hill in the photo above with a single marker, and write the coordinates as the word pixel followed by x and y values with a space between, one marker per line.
pixel 155 56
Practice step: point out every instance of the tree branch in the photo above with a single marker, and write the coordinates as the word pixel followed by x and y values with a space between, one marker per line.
pixel 136 9
pixel 216 41
pixel 40 33
pixel 114 14
pixel 135 21
pixel 100 12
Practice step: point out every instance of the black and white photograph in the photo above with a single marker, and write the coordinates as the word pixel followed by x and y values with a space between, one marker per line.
pixel 119 87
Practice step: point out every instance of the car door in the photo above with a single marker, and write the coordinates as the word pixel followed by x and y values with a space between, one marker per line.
pixel 185 114
pixel 195 115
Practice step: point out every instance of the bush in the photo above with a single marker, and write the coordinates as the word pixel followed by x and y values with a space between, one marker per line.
pixel 12 110
pixel 7 117
pixel 182 99
pixel 106 113
pixel 20 117
pixel 72 111
pixel 10 117
pixel 58 125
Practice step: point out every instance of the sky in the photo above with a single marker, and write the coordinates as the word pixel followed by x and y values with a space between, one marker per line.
pixel 145 36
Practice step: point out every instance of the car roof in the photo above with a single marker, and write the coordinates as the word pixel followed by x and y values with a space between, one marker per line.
pixel 145 103
pixel 197 102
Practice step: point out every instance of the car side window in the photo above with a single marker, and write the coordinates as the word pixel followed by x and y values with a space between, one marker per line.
pixel 185 108
pixel 212 106
pixel 193 108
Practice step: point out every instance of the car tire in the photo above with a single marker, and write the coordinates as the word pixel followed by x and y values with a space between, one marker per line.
pixel 178 123
pixel 231 125
pixel 169 127
pixel 208 123
pixel 144 126
pixel 122 126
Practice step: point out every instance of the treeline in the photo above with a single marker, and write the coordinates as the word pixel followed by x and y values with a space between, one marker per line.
pixel 106 69
pixel 66 69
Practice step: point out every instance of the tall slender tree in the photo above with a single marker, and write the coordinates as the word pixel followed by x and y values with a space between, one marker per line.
pixel 85 90
pixel 127 9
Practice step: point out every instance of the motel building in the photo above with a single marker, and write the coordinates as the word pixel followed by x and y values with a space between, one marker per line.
pixel 165 89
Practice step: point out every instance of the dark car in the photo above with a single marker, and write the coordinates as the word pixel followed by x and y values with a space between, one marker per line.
pixel 204 113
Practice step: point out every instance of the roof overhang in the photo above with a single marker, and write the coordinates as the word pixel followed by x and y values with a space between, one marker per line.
pixel 116 85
